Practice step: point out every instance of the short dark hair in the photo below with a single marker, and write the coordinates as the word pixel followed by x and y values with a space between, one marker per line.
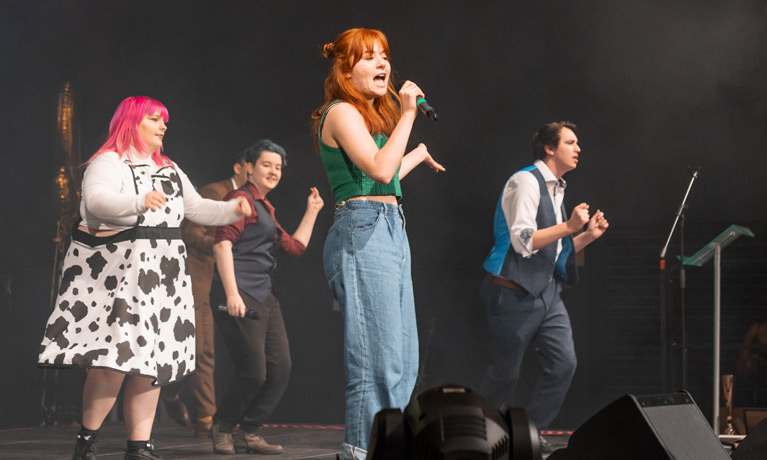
pixel 239 158
pixel 549 135
pixel 253 153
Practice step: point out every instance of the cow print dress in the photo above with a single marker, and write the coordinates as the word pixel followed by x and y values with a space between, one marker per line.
pixel 125 301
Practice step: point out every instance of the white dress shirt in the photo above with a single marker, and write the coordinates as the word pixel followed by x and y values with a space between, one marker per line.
pixel 521 197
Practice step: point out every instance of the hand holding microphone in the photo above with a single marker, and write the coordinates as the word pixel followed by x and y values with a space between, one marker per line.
pixel 410 89
pixel 250 314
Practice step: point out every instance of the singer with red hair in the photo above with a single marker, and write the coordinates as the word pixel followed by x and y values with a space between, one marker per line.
pixel 124 309
pixel 362 132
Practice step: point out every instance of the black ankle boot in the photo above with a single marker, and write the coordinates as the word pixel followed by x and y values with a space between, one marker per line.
pixel 84 447
pixel 145 452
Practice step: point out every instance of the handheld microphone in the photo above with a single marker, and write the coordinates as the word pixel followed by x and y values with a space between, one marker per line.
pixel 250 314
pixel 426 109
pixel 423 106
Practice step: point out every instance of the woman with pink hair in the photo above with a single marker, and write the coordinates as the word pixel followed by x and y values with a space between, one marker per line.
pixel 124 309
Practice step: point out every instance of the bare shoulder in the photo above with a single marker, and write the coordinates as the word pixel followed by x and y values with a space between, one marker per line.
pixel 342 111
pixel 342 121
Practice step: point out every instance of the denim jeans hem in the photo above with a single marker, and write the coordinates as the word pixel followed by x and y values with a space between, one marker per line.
pixel 349 452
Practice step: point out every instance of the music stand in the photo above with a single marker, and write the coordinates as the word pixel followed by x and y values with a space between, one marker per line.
pixel 714 249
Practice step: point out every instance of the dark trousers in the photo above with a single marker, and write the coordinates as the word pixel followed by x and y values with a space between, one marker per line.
pixel 516 319
pixel 261 357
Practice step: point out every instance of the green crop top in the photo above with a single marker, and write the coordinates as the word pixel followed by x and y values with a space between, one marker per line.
pixel 345 178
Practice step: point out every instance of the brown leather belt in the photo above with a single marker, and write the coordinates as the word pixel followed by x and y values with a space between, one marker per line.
pixel 504 282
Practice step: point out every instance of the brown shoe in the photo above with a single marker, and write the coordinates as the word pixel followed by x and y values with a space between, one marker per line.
pixel 253 444
pixel 202 428
pixel 176 409
pixel 222 442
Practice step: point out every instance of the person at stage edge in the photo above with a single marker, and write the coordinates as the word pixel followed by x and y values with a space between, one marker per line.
pixel 199 240
pixel 124 309
pixel 362 134
pixel 245 259
pixel 532 260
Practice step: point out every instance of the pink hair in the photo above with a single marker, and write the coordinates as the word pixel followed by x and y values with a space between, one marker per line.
pixel 123 129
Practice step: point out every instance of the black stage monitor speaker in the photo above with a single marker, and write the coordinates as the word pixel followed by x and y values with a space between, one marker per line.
pixel 658 427
pixel 754 446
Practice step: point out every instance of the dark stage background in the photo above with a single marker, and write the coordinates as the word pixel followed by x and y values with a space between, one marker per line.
pixel 654 86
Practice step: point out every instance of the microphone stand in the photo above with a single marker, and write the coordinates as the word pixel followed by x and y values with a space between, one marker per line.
pixel 665 345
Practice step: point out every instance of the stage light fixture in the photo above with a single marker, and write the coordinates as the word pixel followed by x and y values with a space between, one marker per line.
pixel 450 422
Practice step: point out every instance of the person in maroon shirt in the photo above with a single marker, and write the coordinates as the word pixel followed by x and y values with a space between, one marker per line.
pixel 245 257
pixel 201 262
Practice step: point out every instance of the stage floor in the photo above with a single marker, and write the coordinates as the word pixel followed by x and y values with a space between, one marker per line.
pixel 309 441
pixel 172 441
pixel 300 441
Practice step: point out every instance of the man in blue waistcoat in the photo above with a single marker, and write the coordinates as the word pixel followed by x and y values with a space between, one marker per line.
pixel 532 261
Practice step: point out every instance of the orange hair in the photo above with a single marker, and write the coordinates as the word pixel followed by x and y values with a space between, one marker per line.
pixel 346 52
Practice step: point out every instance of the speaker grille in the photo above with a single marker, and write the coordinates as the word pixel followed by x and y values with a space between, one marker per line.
pixel 451 428
pixel 464 426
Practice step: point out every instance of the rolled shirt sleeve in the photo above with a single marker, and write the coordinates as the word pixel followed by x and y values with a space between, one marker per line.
pixel 521 197
pixel 232 231
pixel 290 246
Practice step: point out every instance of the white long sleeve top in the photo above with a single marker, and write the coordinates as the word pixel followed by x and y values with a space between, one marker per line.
pixel 109 200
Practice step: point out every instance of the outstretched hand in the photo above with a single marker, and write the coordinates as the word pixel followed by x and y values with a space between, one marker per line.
pixel 243 207
pixel 429 161
pixel 415 157
pixel 314 202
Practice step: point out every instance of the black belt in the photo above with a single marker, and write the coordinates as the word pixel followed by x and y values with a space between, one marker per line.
pixel 131 234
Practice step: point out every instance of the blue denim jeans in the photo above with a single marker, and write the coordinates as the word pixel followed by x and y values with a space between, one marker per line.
pixel 516 319
pixel 367 263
